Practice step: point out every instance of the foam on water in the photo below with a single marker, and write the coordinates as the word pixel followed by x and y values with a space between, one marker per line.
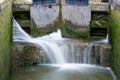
pixel 46 42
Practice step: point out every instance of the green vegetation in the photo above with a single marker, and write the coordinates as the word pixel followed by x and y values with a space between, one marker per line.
pixel 102 23
pixel 99 25
pixel 68 32
pixel 115 41
pixel 5 42
pixel 99 20
pixel 35 31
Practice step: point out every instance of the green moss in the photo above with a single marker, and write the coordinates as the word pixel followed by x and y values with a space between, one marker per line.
pixel 68 32
pixel 60 18
pixel 5 42
pixel 98 23
pixel 115 41
pixel 41 32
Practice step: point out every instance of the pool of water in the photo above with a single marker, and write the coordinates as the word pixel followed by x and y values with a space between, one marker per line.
pixel 63 72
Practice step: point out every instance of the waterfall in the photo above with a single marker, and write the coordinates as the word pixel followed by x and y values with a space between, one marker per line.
pixel 47 43
pixel 77 53
pixel 103 40
pixel 57 49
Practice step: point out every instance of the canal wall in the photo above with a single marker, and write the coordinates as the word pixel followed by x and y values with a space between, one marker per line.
pixel 115 41
pixel 5 38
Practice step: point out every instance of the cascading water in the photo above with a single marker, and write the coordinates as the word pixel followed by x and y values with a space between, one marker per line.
pixel 54 46
pixel 46 43
pixel 59 52
pixel 103 40
pixel 76 53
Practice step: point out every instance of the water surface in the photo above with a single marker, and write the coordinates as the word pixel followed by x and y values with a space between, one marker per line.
pixel 63 72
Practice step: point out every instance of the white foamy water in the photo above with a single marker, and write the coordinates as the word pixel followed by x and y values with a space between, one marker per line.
pixel 103 40
pixel 57 49
pixel 61 54
pixel 46 43
pixel 54 46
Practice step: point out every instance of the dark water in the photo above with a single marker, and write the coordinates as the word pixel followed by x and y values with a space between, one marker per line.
pixel 63 72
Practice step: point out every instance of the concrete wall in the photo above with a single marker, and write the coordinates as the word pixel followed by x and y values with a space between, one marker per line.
pixel 115 41
pixel 114 4
pixel 78 15
pixel 5 39
pixel 43 19
pixel 43 16
pixel 76 19
pixel 46 17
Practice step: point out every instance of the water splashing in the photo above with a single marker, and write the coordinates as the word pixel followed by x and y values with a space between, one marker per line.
pixel 57 49
pixel 46 43
pixel 103 40
pixel 60 54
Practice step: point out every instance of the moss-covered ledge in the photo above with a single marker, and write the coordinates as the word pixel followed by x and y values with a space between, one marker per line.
pixel 115 41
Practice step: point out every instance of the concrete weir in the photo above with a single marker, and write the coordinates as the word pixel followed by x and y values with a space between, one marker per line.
pixel 46 18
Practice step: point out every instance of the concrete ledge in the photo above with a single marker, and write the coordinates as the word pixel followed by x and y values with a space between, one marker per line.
pixel 5 3
pixel 21 7
pixel 23 2
pixel 99 6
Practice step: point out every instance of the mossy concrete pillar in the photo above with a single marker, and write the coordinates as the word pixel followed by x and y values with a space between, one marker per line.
pixel 5 38
pixel 115 41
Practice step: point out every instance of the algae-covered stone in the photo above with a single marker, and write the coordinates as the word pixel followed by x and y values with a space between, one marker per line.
pixel 5 39
pixel 115 41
